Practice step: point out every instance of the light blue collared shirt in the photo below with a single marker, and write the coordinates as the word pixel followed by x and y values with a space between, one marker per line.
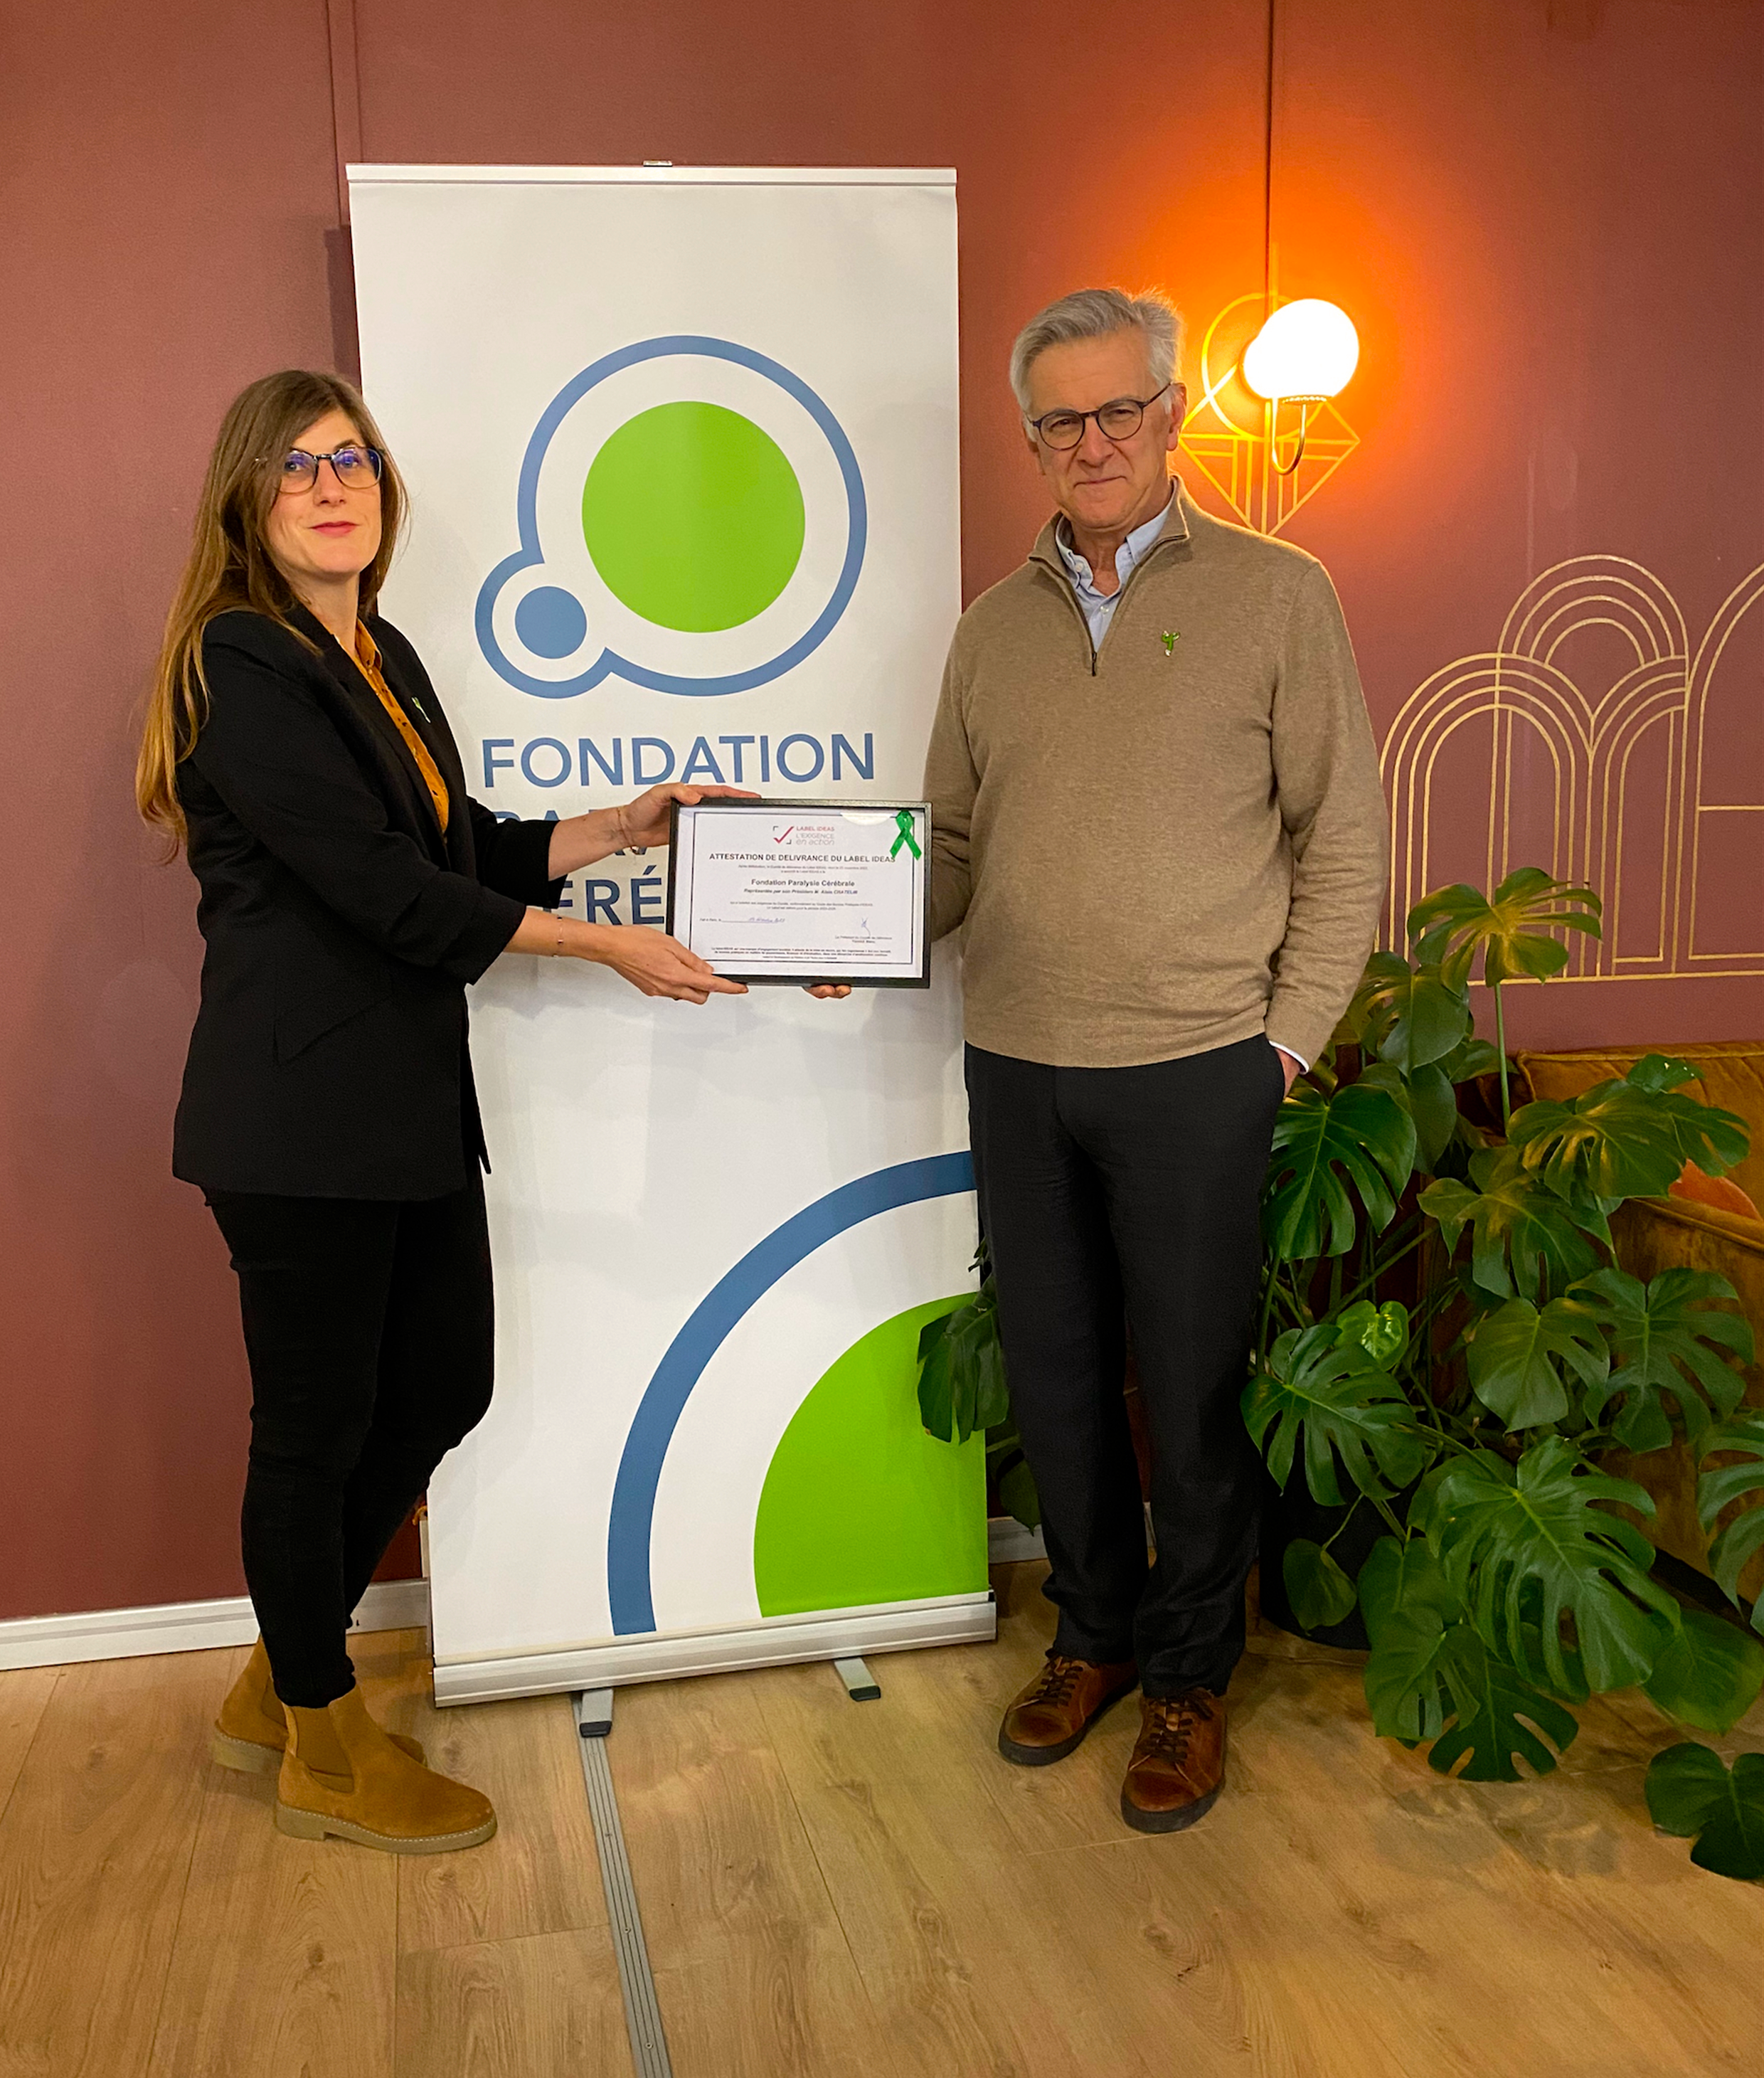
pixel 1098 608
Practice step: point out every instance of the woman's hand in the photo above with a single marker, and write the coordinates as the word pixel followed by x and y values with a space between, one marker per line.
pixel 654 964
pixel 646 820
pixel 581 840
pixel 649 960
pixel 829 991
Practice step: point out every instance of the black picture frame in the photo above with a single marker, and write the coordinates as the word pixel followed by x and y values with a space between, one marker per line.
pixel 770 806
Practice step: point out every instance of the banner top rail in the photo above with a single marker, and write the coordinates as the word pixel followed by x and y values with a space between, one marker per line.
pixel 644 175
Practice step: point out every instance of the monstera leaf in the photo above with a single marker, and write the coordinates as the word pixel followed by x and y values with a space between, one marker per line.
pixel 1712 1138
pixel 1516 1354
pixel 1426 1094
pixel 1420 1508
pixel 1406 1016
pixel 1662 1072
pixel 1330 1397
pixel 1613 1141
pixel 1319 1593
pixel 1719 1488
pixel 1430 1676
pixel 1457 923
pixel 1359 1136
pixel 1665 1338
pixel 1382 1331
pixel 1469 1058
pixel 1525 1234
pixel 1429 1094
pixel 1404 1677
pixel 1690 1791
pixel 1526 1546
pixel 1497 1716
pixel 1709 1675
pixel 1408 1605
pixel 962 1384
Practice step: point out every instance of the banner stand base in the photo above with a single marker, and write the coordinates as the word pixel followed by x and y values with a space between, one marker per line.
pixel 861 1684
pixel 636 1980
pixel 779 1642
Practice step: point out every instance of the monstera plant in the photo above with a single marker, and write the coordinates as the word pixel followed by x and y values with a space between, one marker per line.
pixel 961 1388
pixel 1447 1349
pixel 1448 1344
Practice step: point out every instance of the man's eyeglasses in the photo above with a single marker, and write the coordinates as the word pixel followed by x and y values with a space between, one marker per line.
pixel 356 468
pixel 1119 420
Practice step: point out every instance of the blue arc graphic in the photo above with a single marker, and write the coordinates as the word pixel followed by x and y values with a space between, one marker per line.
pixel 665 1397
pixel 529 551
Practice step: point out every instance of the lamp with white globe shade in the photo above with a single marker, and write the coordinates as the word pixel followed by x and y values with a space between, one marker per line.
pixel 1305 353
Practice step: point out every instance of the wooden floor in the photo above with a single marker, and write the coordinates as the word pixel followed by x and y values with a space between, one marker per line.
pixel 830 1888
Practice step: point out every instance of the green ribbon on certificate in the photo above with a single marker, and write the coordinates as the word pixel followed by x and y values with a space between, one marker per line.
pixel 903 824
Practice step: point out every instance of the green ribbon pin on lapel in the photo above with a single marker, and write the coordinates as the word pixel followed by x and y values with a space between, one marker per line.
pixel 903 824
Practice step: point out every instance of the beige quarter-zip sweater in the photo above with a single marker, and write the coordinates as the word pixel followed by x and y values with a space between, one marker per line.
pixel 1172 843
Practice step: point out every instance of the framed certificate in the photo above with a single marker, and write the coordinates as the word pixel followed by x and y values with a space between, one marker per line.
pixel 804 892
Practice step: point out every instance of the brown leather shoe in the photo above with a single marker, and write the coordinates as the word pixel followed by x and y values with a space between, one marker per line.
pixel 1049 1718
pixel 1178 1765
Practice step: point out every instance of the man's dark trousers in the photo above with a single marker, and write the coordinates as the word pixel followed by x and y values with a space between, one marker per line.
pixel 1118 1199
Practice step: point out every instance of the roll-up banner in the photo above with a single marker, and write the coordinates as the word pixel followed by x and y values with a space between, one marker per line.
pixel 681 451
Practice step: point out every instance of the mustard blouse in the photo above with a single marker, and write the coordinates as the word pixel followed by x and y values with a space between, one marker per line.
pixel 367 655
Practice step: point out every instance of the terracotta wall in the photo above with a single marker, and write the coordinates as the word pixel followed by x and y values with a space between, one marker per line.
pixel 1545 218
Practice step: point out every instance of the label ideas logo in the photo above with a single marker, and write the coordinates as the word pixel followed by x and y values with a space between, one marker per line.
pixel 691 518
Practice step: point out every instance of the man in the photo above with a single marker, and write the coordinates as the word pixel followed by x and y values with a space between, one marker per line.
pixel 1158 811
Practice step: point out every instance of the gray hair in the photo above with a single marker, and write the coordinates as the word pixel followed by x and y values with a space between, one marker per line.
pixel 1093 314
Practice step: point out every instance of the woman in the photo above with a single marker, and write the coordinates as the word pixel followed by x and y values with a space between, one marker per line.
pixel 350 889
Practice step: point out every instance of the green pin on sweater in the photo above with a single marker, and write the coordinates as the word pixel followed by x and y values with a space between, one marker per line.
pixel 1172 636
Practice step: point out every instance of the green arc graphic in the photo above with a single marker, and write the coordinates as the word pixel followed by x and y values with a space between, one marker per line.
pixel 693 516
pixel 860 1504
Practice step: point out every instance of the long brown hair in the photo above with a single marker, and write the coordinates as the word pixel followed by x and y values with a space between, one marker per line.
pixel 231 567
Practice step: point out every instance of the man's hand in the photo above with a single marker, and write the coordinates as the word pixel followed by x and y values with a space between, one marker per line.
pixel 657 965
pixel 1289 1068
pixel 829 991
pixel 644 820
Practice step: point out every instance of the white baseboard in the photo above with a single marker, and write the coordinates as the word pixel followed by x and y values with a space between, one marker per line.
pixel 1009 1542
pixel 183 1627
pixel 63 1641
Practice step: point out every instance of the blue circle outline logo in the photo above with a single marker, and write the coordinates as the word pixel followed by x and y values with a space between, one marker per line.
pixel 530 553
pixel 632 1519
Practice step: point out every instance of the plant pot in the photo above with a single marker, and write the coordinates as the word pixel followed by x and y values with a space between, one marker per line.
pixel 1290 1517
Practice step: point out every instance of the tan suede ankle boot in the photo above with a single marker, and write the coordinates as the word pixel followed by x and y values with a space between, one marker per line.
pixel 251 1731
pixel 342 1776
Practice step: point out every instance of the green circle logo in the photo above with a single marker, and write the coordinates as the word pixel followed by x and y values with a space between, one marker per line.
pixel 693 516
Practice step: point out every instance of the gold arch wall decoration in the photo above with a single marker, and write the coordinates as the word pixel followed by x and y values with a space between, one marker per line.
pixel 1228 432
pixel 1629 771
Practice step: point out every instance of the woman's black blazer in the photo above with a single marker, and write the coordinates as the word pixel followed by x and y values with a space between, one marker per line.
pixel 329 1058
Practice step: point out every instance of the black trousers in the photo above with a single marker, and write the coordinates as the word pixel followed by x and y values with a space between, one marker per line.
pixel 369 1329
pixel 1116 1198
